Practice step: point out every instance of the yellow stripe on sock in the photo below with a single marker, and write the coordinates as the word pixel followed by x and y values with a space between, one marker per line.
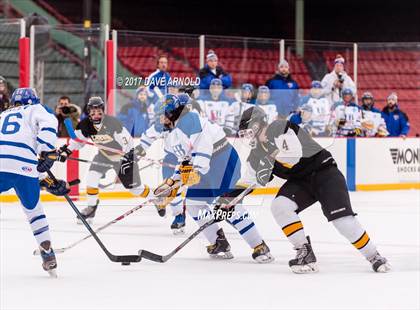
pixel 292 228
pixel 146 191
pixel 362 241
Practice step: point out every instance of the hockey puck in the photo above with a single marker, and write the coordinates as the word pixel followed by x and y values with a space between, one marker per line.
pixel 125 263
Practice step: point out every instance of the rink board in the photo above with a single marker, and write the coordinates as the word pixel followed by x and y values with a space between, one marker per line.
pixel 367 164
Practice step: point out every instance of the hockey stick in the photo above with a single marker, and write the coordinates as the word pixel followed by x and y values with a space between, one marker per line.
pixel 102 186
pixel 117 219
pixel 123 259
pixel 73 136
pixel 164 258
pixel 91 162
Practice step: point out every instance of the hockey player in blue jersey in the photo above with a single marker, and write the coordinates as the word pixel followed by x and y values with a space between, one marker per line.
pixel 29 130
pixel 210 167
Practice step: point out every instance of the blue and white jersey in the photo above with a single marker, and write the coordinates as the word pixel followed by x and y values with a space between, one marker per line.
pixel 193 138
pixel 270 110
pixel 349 115
pixel 152 134
pixel 216 110
pixel 321 113
pixel 25 132
pixel 373 123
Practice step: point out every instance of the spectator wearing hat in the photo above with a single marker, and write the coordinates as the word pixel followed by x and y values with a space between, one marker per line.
pixel 284 90
pixel 337 80
pixel 372 121
pixel 346 116
pixel 396 120
pixel 213 71
pixel 4 94
pixel 157 81
pixel 245 100
pixel 136 115
pixel 264 102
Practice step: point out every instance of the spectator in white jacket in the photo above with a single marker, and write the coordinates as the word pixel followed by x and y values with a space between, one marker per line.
pixel 334 82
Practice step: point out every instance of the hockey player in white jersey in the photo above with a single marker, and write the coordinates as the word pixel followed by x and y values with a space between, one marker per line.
pixel 346 116
pixel 320 108
pixel 372 122
pixel 263 101
pixel 28 130
pixel 108 131
pixel 214 104
pixel 245 101
pixel 210 167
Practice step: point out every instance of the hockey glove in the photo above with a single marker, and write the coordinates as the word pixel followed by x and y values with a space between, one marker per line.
pixel 46 160
pixel 127 162
pixel 59 188
pixel 63 153
pixel 189 176
pixel 223 210
pixel 139 151
pixel 264 172
pixel 166 192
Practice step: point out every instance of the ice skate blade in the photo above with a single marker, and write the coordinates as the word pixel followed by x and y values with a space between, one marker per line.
pixel 264 259
pixel 178 231
pixel 309 268
pixel 384 268
pixel 222 255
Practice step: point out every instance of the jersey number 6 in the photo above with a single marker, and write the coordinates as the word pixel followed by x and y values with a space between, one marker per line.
pixel 9 127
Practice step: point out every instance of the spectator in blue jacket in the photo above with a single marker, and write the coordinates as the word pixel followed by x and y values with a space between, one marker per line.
pixel 158 80
pixel 396 120
pixel 134 115
pixel 284 90
pixel 213 71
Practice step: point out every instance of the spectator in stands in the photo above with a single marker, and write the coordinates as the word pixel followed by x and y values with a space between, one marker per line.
pixel 264 102
pixel 65 109
pixel 372 121
pixel 158 80
pixel 337 80
pixel 303 118
pixel 213 71
pixel 284 90
pixel 136 115
pixel 4 94
pixel 396 120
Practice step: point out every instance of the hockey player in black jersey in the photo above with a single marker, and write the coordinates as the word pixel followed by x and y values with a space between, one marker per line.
pixel 284 150
pixel 108 131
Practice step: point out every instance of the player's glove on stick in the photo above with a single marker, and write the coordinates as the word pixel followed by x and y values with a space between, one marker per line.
pixel 59 188
pixel 265 170
pixel 189 176
pixel 223 210
pixel 163 195
pixel 63 153
pixel 46 160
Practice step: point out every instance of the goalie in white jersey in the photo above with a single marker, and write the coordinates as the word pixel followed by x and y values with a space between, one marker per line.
pixel 210 167
pixel 27 130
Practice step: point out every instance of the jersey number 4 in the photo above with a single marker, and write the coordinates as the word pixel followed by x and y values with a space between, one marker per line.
pixel 9 126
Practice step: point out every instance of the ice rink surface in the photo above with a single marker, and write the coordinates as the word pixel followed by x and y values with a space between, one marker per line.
pixel 191 280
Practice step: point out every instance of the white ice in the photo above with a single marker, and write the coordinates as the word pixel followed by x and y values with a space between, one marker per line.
pixel 190 280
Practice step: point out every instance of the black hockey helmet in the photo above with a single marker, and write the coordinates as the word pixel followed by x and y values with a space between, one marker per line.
pixel 251 124
pixel 95 103
pixel 366 96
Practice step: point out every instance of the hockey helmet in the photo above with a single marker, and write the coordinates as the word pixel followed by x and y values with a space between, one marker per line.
pixel 24 96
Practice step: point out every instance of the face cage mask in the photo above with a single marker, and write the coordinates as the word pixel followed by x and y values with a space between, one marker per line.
pixel 248 137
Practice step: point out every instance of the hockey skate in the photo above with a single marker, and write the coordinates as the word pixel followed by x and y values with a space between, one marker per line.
pixel 49 263
pixel 221 249
pixel 379 263
pixel 262 254
pixel 88 214
pixel 305 260
pixel 178 225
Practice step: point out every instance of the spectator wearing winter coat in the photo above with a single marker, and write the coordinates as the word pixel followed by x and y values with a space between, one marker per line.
pixel 213 71
pixel 337 80
pixel 66 109
pixel 284 90
pixel 396 120
pixel 135 115
pixel 158 80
